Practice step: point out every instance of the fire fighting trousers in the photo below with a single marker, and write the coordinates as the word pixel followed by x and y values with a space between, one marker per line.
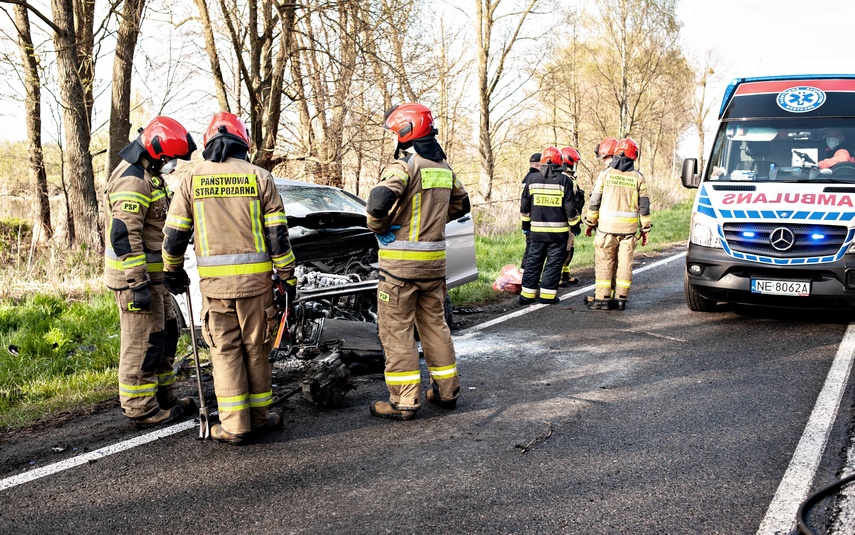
pixel 148 342
pixel 571 242
pixel 543 269
pixel 400 307
pixel 613 254
pixel 236 331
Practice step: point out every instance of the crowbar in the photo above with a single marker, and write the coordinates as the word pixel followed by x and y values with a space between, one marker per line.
pixel 204 424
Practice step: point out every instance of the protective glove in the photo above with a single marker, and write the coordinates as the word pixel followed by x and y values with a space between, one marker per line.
pixel 176 282
pixel 291 289
pixel 525 231
pixel 589 231
pixel 387 237
pixel 576 229
pixel 644 238
pixel 142 299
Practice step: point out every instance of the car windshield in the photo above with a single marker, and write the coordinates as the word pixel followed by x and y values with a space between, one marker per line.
pixel 784 150
pixel 302 200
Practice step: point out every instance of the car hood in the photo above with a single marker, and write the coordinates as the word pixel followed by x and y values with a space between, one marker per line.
pixel 324 235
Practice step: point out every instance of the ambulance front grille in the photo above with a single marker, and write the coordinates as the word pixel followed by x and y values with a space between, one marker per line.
pixel 810 240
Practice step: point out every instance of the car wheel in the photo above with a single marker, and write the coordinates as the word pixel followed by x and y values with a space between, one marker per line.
pixel 179 316
pixel 694 300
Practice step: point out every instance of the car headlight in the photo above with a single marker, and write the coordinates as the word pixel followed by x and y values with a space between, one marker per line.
pixel 704 231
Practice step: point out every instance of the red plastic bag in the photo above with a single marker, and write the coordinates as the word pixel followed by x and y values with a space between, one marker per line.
pixel 509 280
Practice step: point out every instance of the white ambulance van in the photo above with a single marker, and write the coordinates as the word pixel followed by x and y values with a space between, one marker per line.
pixel 773 222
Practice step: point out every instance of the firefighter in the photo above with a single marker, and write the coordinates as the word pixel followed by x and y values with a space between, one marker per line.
pixel 549 203
pixel 571 157
pixel 408 209
pixel 234 214
pixel 137 200
pixel 618 206
pixel 533 169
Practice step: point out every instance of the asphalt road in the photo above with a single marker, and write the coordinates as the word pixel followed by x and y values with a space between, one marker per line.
pixel 651 420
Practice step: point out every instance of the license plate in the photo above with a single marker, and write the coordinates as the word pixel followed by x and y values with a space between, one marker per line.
pixel 772 287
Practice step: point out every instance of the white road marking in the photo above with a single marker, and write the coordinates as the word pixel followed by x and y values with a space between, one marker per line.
pixel 94 455
pixel 798 479
pixel 468 333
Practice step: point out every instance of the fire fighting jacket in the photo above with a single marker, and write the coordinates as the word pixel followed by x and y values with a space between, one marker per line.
pixel 533 171
pixel 136 206
pixel 237 221
pixel 619 203
pixel 548 203
pixel 421 196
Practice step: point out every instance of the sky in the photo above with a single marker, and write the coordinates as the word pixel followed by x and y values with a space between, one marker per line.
pixel 750 38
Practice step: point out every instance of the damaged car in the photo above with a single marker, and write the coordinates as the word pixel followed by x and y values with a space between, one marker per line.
pixel 332 328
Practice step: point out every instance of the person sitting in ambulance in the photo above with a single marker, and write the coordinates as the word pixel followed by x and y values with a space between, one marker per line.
pixel 833 153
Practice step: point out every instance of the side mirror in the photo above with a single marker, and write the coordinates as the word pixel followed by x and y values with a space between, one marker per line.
pixel 689 175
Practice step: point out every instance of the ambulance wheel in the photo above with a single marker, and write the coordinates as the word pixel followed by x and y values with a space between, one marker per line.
pixel 694 300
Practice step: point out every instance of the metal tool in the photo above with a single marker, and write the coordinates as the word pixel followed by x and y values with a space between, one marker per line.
pixel 204 423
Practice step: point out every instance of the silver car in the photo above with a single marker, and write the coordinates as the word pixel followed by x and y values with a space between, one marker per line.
pixel 336 254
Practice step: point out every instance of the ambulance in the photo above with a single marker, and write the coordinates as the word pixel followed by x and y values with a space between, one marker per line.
pixel 773 222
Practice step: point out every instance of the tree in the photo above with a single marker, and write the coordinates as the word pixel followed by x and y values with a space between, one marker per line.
pixel 491 73
pixel 703 102
pixel 33 105
pixel 123 62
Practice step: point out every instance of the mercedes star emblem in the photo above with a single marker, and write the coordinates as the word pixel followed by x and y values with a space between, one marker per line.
pixel 782 238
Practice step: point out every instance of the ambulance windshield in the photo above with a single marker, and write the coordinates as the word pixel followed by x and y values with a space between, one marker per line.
pixel 784 150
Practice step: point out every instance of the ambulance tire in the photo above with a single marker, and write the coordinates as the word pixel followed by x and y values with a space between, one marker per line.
pixel 695 301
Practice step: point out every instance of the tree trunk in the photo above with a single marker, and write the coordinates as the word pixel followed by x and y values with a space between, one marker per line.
pixel 33 105
pixel 484 27
pixel 213 57
pixel 84 32
pixel 77 161
pixel 123 63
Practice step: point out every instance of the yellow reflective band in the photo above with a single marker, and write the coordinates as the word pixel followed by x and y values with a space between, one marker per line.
pixel 203 228
pixel 398 173
pixel 526 217
pixel 623 283
pixel 165 379
pixel 130 196
pixel 565 269
pixel 606 283
pixel 114 264
pixel 261 400
pixel 255 221
pixel 415 218
pixel 181 223
pixel 443 372
pixel 154 267
pixel 528 293
pixel 284 260
pixel 397 254
pixel 277 218
pixel 170 260
pixel 620 219
pixel 547 293
pixel 158 194
pixel 544 295
pixel 235 269
pixel 233 403
pixel 536 228
pixel 137 391
pixel 133 261
pixel 227 185
pixel 436 178
pixel 403 378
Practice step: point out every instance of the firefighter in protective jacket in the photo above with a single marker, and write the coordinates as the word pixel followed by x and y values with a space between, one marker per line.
pixel 417 195
pixel 549 203
pixel 137 200
pixel 619 206
pixel 235 216
pixel 533 170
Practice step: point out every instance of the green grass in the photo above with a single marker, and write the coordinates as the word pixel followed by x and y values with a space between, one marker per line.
pixel 670 227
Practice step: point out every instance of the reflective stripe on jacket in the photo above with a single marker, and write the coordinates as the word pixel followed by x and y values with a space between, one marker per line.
pixel 428 193
pixel 619 203
pixel 136 204
pixel 240 232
